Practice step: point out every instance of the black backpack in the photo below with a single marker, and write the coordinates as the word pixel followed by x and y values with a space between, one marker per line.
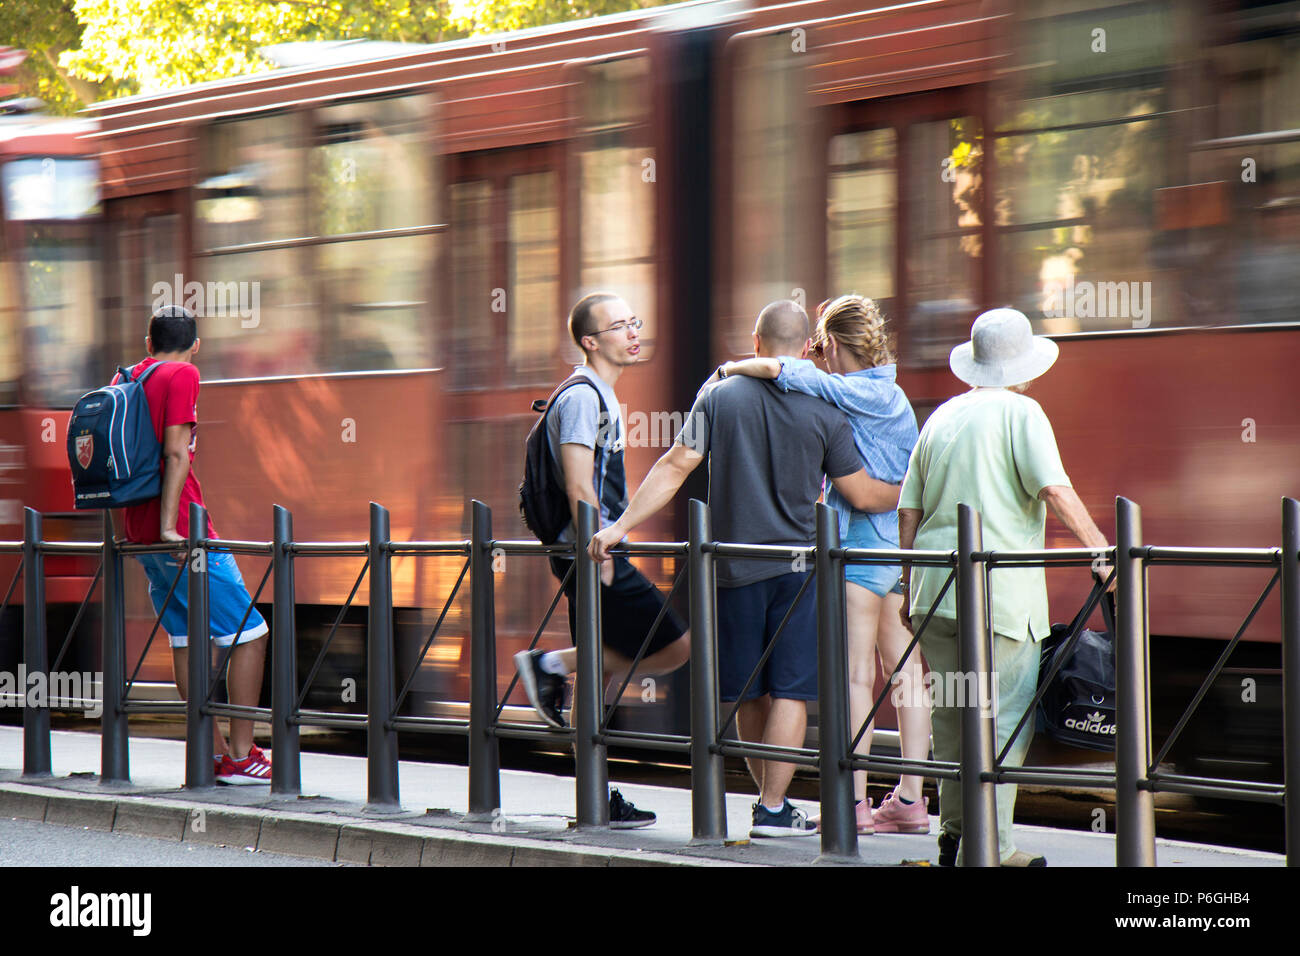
pixel 543 502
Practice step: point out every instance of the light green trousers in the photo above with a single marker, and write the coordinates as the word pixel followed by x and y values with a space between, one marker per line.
pixel 1015 663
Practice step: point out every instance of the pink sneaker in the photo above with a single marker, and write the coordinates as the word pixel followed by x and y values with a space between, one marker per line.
pixel 863 812
pixel 866 819
pixel 894 816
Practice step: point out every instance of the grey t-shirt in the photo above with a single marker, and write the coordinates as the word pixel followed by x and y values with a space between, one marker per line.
pixel 767 453
pixel 576 419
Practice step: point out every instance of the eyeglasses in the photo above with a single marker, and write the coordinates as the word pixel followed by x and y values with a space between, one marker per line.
pixel 634 325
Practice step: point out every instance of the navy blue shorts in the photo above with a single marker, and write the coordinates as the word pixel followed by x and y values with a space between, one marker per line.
pixel 748 617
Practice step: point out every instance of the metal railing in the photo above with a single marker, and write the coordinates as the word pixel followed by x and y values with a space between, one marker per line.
pixel 1135 779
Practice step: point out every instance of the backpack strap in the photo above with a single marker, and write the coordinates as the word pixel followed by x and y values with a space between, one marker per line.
pixel 125 374
pixel 574 379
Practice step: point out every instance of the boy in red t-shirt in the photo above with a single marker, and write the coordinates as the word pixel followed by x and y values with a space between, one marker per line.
pixel 173 393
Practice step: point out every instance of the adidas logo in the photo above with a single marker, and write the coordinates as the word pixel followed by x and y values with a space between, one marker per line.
pixel 1094 723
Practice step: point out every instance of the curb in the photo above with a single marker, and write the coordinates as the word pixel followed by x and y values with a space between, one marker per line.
pixel 329 837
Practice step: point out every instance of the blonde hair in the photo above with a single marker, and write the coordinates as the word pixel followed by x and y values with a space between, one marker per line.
pixel 856 324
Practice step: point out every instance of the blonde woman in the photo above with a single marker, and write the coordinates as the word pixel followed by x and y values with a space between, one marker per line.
pixel 852 339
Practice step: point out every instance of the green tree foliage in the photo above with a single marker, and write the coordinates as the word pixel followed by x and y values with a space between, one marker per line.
pixel 84 50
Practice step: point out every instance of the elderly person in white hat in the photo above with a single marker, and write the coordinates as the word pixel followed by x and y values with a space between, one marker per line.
pixel 991 448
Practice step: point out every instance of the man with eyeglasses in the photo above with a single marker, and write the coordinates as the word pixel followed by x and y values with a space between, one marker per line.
pixel 586 436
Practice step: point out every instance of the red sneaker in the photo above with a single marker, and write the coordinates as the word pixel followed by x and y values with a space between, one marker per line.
pixel 252 770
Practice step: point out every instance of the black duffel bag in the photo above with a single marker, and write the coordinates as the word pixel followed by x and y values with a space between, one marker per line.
pixel 1078 706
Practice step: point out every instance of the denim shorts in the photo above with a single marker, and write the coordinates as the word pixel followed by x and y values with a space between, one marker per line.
pixel 879 579
pixel 227 599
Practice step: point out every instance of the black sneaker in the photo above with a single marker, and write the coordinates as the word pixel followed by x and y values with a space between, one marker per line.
pixel 545 691
pixel 624 815
pixel 947 849
pixel 786 822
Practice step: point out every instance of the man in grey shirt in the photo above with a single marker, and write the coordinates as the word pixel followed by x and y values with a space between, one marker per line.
pixel 767 453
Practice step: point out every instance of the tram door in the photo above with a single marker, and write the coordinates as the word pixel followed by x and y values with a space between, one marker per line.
pixel 907 225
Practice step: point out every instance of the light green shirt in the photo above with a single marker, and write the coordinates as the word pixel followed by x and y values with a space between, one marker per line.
pixel 994 450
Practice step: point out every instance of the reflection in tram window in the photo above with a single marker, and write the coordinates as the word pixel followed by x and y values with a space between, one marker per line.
pixel 1079 204
pixel 11 350
pixel 255 314
pixel 943 250
pixel 373 303
pixel 58 278
pixel 250 187
pixel 860 210
pixel 532 307
pixel 774 182
pixel 371 167
pixel 616 169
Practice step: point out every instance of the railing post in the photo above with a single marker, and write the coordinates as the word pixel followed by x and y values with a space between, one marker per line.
pixel 199 772
pixel 1135 827
pixel 979 827
pixel 1291 674
pixel 484 747
pixel 286 765
pixel 381 739
pixel 708 780
pixel 36 720
pixel 114 755
pixel 839 824
pixel 591 771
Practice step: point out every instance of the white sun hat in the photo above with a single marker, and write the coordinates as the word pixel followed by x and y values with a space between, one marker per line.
pixel 1003 351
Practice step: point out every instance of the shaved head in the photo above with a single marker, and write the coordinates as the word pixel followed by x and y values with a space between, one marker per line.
pixel 783 327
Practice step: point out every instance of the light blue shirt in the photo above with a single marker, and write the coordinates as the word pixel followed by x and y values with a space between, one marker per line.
pixel 883 423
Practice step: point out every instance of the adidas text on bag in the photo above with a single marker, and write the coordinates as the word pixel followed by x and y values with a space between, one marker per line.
pixel 113 451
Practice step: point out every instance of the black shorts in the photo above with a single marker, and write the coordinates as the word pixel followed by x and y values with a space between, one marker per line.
pixel 628 607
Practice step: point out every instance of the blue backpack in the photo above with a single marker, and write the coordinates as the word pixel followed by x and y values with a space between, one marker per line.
pixel 113 450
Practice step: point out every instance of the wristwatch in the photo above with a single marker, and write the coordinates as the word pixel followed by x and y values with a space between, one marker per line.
pixel 722 371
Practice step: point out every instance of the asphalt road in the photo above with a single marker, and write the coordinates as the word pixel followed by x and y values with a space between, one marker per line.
pixel 26 843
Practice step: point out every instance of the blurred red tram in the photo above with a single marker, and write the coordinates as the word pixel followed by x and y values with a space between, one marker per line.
pixel 416 225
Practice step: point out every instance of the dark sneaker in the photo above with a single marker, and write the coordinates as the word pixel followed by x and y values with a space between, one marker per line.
pixel 786 822
pixel 947 849
pixel 624 815
pixel 545 691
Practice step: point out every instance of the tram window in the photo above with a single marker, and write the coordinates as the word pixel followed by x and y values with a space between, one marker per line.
pixel 255 315
pixel 773 182
pixel 1076 213
pixel 472 330
pixel 371 167
pixel 11 350
pixel 49 188
pixel 374 300
pixel 943 250
pixel 617 237
pixel 532 306
pixel 1260 93
pixel 58 278
pixel 860 211
pixel 250 183
pixel 616 170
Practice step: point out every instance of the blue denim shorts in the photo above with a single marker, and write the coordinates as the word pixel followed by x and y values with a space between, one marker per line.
pixel 879 579
pixel 228 599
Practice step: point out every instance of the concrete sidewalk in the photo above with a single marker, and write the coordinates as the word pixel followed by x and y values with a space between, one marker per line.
pixel 330 820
